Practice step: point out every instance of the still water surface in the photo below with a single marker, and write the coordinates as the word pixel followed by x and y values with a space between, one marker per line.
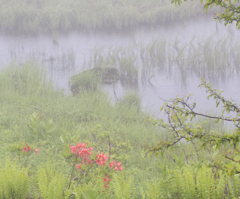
pixel 74 50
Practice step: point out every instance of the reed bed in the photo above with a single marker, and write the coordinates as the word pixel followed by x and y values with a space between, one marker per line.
pixel 63 15
pixel 200 57
pixel 139 62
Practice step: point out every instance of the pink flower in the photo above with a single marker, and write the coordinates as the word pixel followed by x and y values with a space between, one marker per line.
pixel 118 166
pixel 101 159
pixel 111 164
pixel 78 166
pixel 73 148
pixel 81 151
pixel 90 148
pixel 81 145
pixel 25 149
pixel 106 180
pixel 36 150
pixel 89 162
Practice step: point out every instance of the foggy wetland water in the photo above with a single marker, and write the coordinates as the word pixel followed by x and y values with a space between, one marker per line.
pixel 95 74
pixel 165 60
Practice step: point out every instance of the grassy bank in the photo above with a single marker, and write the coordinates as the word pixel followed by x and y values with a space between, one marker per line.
pixel 54 16
pixel 25 91
pixel 32 111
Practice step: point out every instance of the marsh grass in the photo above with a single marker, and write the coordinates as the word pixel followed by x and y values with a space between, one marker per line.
pixel 139 62
pixel 25 79
pixel 83 82
pixel 25 90
pixel 128 101
pixel 56 62
pixel 53 16
pixel 70 115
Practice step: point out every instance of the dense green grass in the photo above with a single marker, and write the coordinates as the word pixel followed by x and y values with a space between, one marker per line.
pixel 25 90
pixel 30 16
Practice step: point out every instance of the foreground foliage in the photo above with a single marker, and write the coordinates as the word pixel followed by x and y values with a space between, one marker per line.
pixel 180 114
pixel 48 120
pixel 182 183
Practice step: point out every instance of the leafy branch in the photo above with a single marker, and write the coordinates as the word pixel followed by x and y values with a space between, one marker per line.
pixel 180 114
pixel 230 14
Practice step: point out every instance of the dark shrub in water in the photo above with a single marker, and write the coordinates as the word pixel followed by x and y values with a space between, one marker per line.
pixel 90 80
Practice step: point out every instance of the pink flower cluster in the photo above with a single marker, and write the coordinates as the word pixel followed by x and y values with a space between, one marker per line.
pixel 118 165
pixel 27 148
pixel 101 159
pixel 83 152
pixel 106 180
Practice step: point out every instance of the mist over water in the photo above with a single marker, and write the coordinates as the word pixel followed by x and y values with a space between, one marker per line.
pixel 68 54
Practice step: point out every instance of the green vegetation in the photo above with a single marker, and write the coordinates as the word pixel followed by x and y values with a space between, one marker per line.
pixel 180 112
pixel 33 112
pixel 40 125
pixel 229 15
pixel 200 57
pixel 225 145
pixel 26 91
pixel 14 182
pixel 30 16
pixel 93 78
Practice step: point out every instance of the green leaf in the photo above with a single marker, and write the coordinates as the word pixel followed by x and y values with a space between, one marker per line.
pixel 237 23
pixel 93 194
pixel 61 139
pixel 97 186
pixel 90 194
pixel 85 195
pixel 102 196
pixel 162 153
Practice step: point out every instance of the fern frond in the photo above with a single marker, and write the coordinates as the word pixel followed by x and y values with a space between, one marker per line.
pixel 154 189
pixel 190 187
pixel 123 187
pixel 52 184
pixel 14 182
pixel 143 195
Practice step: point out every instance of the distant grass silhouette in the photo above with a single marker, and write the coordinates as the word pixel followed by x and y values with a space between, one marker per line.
pixel 64 15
